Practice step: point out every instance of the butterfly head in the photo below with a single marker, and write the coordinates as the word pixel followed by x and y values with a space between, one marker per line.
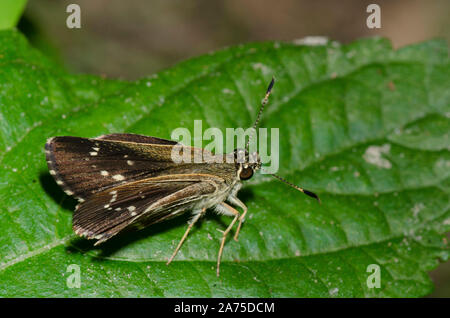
pixel 247 163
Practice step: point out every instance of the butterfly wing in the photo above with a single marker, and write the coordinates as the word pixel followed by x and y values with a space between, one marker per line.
pixel 84 166
pixel 122 180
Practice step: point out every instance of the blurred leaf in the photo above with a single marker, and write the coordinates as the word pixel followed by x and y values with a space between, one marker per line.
pixel 363 125
pixel 10 12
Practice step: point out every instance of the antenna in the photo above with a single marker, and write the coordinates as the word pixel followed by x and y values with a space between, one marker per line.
pixel 309 193
pixel 263 103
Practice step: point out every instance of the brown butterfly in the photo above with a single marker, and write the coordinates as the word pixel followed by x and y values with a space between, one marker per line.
pixel 125 181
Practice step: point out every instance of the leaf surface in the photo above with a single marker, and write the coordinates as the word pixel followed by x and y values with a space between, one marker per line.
pixel 364 126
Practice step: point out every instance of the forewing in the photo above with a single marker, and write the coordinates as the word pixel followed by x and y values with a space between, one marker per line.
pixel 84 166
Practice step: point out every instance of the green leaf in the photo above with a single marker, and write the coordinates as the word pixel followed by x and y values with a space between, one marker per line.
pixel 10 12
pixel 363 125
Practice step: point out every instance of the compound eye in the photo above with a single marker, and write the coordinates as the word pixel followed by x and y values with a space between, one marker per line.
pixel 246 173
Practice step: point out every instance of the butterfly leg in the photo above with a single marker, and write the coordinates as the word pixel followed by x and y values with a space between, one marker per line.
pixel 225 233
pixel 235 201
pixel 191 224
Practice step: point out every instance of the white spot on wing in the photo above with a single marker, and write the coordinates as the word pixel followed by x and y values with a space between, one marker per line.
pixel 104 173
pixel 118 177
pixel 49 140
pixel 114 196
pixel 130 163
pixel 93 153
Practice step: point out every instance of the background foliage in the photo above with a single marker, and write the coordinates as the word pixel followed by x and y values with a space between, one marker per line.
pixel 10 12
pixel 363 125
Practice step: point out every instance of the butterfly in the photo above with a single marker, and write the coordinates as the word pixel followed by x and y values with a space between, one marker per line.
pixel 128 181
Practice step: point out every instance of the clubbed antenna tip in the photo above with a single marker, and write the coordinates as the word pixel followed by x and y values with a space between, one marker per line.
pixel 308 193
pixel 269 89
pixel 312 195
